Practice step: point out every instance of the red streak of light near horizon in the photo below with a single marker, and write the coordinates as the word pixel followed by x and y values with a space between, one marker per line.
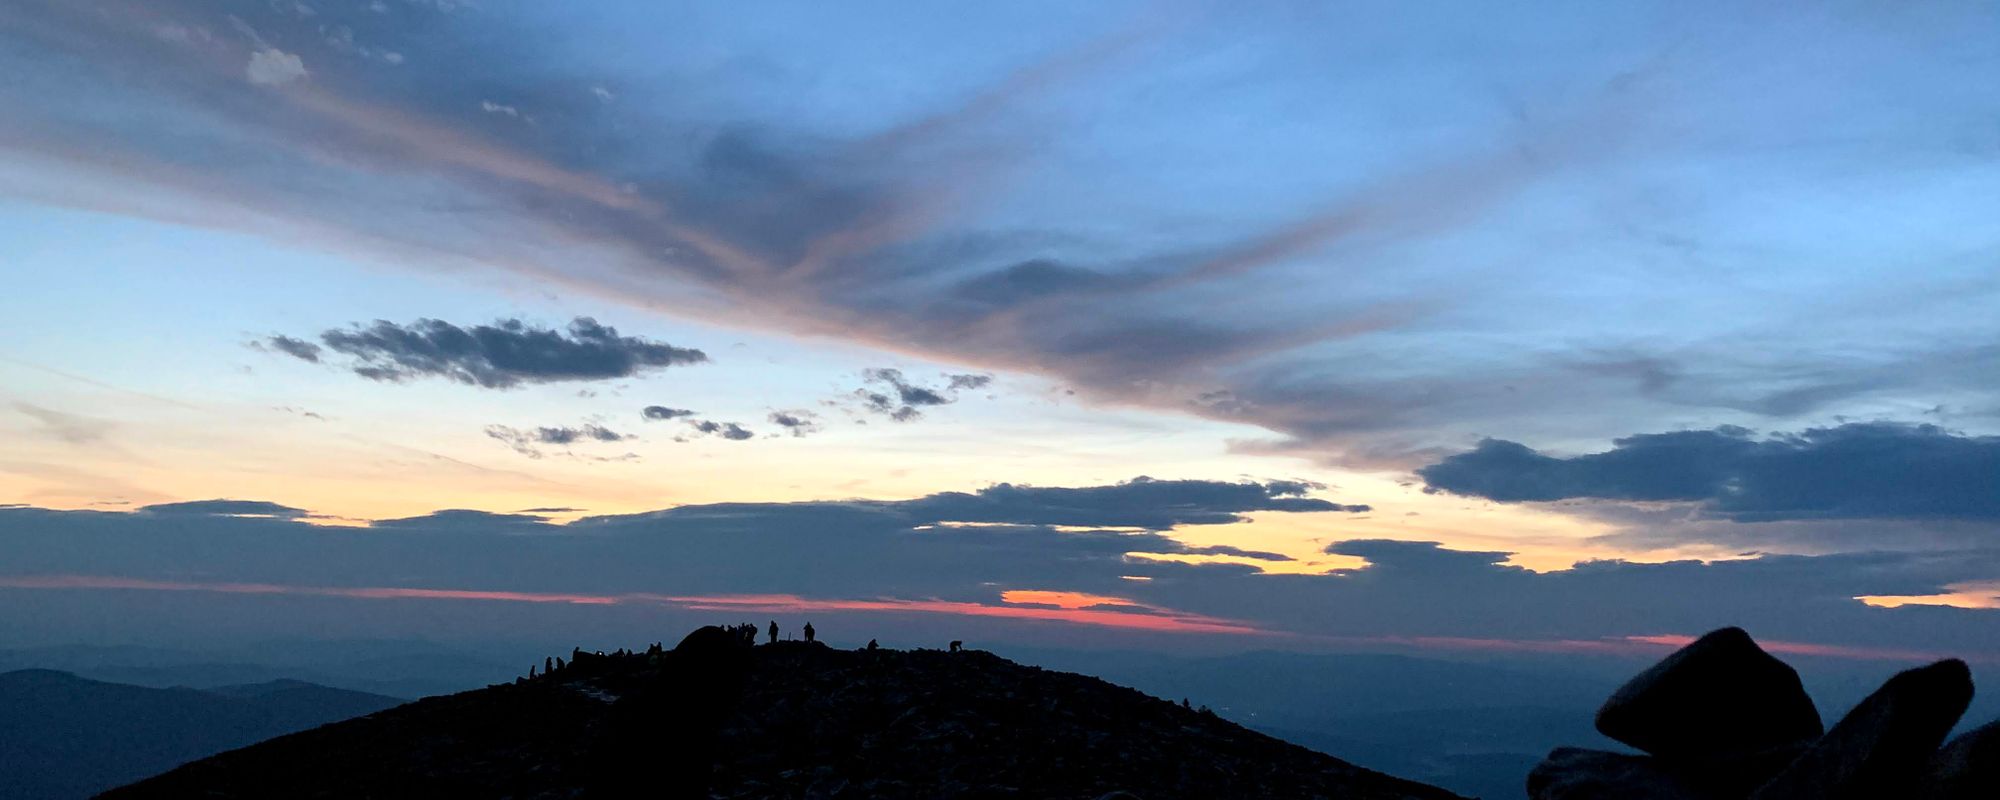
pixel 1165 621
pixel 1158 621
pixel 1827 650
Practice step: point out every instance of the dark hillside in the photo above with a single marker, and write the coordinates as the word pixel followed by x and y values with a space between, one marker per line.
pixel 785 720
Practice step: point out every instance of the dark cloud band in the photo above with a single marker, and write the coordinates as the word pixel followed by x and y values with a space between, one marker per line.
pixel 1853 471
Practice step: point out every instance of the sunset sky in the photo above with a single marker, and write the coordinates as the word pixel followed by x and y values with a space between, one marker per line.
pixel 1297 325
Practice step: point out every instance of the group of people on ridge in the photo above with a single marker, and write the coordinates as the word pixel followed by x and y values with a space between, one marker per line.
pixel 746 631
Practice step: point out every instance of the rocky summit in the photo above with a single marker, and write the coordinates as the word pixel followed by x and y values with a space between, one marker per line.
pixel 717 717
pixel 1721 719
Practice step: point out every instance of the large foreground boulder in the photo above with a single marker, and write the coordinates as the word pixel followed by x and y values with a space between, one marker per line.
pixel 1723 720
pixel 1879 750
pixel 1718 699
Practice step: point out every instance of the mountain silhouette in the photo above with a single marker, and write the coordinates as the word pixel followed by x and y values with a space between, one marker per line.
pixel 716 717
pixel 62 736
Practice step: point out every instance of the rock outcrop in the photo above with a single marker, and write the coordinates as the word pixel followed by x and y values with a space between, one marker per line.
pixel 1721 719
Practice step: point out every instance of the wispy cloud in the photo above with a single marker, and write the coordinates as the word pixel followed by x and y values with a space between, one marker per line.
pixel 1377 289
pixel 889 393
pixel 71 428
pixel 725 430
pixel 529 442
pixel 797 423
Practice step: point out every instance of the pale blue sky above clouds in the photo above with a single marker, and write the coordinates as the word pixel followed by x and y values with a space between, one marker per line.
pixel 1337 243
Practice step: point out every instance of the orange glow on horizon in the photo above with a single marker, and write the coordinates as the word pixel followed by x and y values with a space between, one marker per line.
pixel 1072 600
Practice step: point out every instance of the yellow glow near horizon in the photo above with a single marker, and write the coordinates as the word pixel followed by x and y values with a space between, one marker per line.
pixel 1971 594
pixel 402 467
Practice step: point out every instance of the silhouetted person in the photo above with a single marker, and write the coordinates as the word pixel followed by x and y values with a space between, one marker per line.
pixel 809 633
pixel 559 662
pixel 872 646
pixel 774 631
pixel 957 645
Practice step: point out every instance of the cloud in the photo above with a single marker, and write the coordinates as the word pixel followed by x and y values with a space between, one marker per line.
pixel 567 435
pixel 1138 503
pixel 726 430
pixel 1237 552
pixel 1389 556
pixel 503 355
pixel 460 519
pixel 227 508
pixel 296 348
pixel 525 441
pixel 967 382
pixel 893 551
pixel 797 423
pixel 656 413
pixel 307 413
pixel 947 231
pixel 70 428
pixel 1852 471
pixel 273 67
pixel 902 399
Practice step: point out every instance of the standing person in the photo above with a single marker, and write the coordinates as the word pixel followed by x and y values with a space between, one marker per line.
pixel 774 631
pixel 809 633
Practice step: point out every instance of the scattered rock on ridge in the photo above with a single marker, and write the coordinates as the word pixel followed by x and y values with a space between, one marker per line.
pixel 1574 773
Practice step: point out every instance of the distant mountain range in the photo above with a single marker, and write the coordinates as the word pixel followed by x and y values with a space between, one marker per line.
pixel 395 668
pixel 62 736
pixel 717 718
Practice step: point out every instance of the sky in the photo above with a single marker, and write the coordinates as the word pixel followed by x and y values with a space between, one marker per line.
pixel 1302 325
